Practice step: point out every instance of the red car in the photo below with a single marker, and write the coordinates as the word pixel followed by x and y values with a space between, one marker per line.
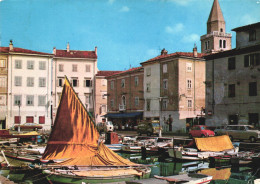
pixel 200 131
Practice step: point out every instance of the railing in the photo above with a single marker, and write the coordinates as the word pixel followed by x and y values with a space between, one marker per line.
pixel 122 107
pixel 216 33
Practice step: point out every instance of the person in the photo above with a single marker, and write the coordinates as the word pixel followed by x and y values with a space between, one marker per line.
pixel 170 123
pixel 187 127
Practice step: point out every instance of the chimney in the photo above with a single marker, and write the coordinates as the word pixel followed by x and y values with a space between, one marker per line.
pixel 164 52
pixel 195 53
pixel 54 50
pixel 68 47
pixel 96 50
pixel 11 47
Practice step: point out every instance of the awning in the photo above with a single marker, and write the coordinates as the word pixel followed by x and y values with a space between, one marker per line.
pixel 123 115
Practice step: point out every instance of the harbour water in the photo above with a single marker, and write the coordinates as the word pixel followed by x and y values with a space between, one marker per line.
pixel 160 166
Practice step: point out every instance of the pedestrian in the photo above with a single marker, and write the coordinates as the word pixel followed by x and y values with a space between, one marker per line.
pixel 170 123
pixel 187 127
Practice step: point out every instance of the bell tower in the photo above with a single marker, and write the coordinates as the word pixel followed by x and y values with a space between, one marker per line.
pixel 216 39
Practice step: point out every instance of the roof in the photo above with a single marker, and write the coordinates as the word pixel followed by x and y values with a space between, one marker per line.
pixel 107 73
pixel 247 27
pixel 20 50
pixel 176 54
pixel 75 54
pixel 233 52
pixel 215 13
pixel 127 71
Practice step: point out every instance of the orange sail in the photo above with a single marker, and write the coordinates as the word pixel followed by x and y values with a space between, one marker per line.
pixel 74 136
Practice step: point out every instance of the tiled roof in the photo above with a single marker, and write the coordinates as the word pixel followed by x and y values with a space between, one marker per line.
pixel 176 54
pixel 247 27
pixel 76 54
pixel 20 50
pixel 128 71
pixel 107 73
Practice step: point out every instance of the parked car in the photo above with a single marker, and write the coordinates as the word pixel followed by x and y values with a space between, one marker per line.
pixel 28 126
pixel 105 126
pixel 240 132
pixel 149 128
pixel 200 131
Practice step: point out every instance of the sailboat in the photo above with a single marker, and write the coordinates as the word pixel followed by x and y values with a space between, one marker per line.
pixel 74 139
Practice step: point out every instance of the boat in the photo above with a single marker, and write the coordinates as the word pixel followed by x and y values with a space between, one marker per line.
pixel 191 178
pixel 75 139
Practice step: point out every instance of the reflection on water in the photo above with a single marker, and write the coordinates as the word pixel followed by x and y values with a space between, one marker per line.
pixel 159 166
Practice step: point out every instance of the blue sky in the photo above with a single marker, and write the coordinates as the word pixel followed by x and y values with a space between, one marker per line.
pixel 126 32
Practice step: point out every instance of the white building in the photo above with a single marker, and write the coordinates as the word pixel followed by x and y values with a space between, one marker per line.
pixel 29 87
pixel 80 68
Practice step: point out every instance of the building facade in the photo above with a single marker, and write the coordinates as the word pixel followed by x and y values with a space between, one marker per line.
pixel 100 94
pixel 79 67
pixel 233 81
pixel 28 87
pixel 3 88
pixel 216 39
pixel 175 89
pixel 125 98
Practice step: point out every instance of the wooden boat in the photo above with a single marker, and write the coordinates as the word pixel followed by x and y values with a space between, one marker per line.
pixel 192 178
pixel 75 138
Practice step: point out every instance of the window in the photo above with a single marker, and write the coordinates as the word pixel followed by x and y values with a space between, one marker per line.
pixel 165 83
pixel 29 119
pixel 112 103
pixel 2 100
pixel 148 105
pixel 42 82
pixel 189 103
pixel 2 82
pixel 221 30
pixel 103 109
pixel 136 101
pixel 188 67
pixel 164 104
pixel 148 71
pixel 208 45
pixel 42 65
pixel 87 68
pixel 17 100
pixel 18 64
pixel 87 98
pixel 30 65
pixel 148 87
pixel 87 82
pixel 220 43
pixel 224 43
pixel 252 60
pixel 122 83
pixel 188 84
pixel 41 119
pixel 231 90
pixel 74 82
pixel 233 120
pixel 231 63
pixel 112 85
pixel 61 67
pixel 252 89
pixel 103 82
pixel 252 35
pixel 17 119
pixel 18 81
pixel 74 68
pixel 253 119
pixel 104 95
pixel 60 82
pixel 2 63
pixel 29 100
pixel 41 100
pixel 30 81
pixel 136 81
pixel 164 68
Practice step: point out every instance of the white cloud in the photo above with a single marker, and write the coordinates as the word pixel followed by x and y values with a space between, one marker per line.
pixel 181 2
pixel 174 29
pixel 111 1
pixel 192 38
pixel 247 19
pixel 124 9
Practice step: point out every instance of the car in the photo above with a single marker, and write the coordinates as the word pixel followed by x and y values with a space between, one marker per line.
pixel 105 126
pixel 200 131
pixel 240 132
pixel 149 127
pixel 28 126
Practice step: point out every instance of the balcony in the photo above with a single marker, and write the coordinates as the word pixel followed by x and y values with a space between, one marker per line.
pixel 122 107
pixel 216 33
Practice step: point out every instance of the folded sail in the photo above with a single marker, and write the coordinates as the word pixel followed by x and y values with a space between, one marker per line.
pixel 75 137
